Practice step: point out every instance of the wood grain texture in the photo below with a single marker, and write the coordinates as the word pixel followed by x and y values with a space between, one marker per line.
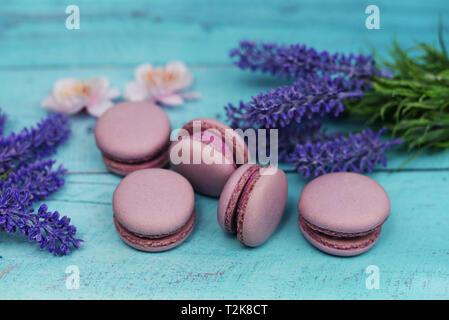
pixel 115 36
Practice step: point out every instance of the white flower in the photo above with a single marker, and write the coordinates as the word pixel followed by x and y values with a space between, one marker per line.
pixel 161 84
pixel 70 96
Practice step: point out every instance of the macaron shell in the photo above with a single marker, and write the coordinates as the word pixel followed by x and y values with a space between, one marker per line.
pixel 153 202
pixel 230 195
pixel 261 208
pixel 344 202
pixel 156 244
pixel 352 247
pixel 123 168
pixel 208 179
pixel 132 131
pixel 234 140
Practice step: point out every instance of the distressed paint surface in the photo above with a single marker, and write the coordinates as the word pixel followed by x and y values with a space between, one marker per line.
pixel 36 50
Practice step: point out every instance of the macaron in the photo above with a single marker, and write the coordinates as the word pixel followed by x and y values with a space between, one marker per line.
pixel 154 209
pixel 211 152
pixel 133 136
pixel 343 213
pixel 252 203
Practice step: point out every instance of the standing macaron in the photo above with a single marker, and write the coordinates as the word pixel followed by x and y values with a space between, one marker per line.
pixel 133 136
pixel 342 213
pixel 252 203
pixel 154 209
pixel 208 155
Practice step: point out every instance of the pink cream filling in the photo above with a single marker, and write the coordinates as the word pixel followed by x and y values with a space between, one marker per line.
pixel 209 137
pixel 240 205
pixel 342 241
pixel 160 153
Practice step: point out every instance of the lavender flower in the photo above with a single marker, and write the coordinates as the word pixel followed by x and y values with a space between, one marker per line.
pixel 38 179
pixel 291 136
pixel 2 122
pixel 33 143
pixel 29 184
pixel 299 61
pixel 324 82
pixel 356 152
pixel 308 97
pixel 45 228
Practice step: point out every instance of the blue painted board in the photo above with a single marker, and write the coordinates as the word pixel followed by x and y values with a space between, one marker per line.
pixel 115 36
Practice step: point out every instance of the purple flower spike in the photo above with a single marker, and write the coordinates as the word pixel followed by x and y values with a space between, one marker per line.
pixel 254 56
pixel 291 136
pixel 33 143
pixel 299 61
pixel 46 228
pixel 356 152
pixel 31 183
pixel 39 180
pixel 308 97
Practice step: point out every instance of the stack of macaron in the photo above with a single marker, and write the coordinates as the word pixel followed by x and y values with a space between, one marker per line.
pixel 339 213
pixel 154 207
pixel 133 136
pixel 342 213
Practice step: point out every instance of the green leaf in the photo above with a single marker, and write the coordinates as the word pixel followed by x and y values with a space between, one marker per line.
pixel 387 106
pixel 4 176
pixel 414 104
pixel 444 74
pixel 405 92
pixel 440 93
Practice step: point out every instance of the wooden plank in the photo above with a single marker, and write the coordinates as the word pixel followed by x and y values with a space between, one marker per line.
pixel 164 31
pixel 36 50
pixel 411 254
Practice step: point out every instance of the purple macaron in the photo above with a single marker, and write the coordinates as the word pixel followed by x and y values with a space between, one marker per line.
pixel 154 209
pixel 225 151
pixel 133 136
pixel 342 213
pixel 252 203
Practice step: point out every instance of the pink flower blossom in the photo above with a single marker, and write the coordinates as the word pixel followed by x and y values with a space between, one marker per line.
pixel 161 84
pixel 70 96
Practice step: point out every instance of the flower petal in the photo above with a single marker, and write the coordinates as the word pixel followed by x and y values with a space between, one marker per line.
pixel 64 83
pixel 172 100
pixel 185 79
pixel 99 85
pixel 65 107
pixel 141 71
pixel 112 93
pixel 135 91
pixel 99 108
pixel 73 104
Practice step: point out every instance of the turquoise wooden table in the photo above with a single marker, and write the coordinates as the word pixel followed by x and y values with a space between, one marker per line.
pixel 36 49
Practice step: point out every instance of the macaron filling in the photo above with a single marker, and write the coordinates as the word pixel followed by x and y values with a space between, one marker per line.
pixel 155 241
pixel 220 144
pixel 243 200
pixel 126 166
pixel 338 240
pixel 237 206
pixel 162 152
